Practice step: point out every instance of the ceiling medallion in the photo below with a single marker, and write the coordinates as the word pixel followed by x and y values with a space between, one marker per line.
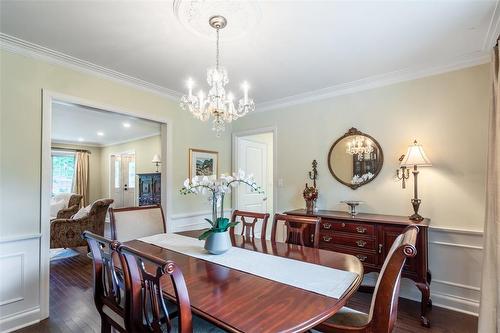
pixel 194 14
pixel 217 104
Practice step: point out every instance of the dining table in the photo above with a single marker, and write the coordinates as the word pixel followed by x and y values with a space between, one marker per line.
pixel 239 301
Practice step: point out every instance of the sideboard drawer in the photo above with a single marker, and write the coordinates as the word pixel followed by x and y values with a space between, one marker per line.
pixel 354 241
pixel 366 257
pixel 355 228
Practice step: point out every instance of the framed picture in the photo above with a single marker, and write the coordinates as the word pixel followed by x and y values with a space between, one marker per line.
pixel 203 163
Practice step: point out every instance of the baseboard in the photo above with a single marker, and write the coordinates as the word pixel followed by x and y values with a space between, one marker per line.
pixel 19 320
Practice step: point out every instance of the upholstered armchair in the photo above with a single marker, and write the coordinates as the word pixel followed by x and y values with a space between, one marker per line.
pixel 67 232
pixel 73 205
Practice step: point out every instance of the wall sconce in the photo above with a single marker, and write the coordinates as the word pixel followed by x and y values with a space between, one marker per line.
pixel 415 157
pixel 157 161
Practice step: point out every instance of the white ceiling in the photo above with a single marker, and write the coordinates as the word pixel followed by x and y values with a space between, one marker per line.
pixel 71 122
pixel 294 48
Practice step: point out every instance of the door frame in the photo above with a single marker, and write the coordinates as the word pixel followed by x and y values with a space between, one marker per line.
pixel 234 152
pixel 48 97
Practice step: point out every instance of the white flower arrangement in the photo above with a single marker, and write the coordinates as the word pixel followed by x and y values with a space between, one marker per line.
pixel 217 189
pixel 363 178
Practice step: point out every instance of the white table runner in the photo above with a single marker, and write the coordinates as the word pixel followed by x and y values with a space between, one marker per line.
pixel 316 278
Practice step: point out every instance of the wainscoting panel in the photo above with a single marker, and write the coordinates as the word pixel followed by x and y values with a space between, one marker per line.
pixel 455 262
pixel 192 221
pixel 19 282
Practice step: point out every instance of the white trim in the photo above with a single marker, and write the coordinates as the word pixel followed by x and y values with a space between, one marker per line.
pixel 47 99
pixel 375 81
pixel 457 245
pixel 20 319
pixel 104 145
pixel 19 46
pixel 274 131
pixel 493 29
pixel 19 238
pixel 457 231
pixel 459 285
pixel 32 50
pixel 195 214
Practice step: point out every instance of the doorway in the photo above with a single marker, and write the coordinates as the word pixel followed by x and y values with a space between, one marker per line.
pixel 122 179
pixel 68 128
pixel 254 153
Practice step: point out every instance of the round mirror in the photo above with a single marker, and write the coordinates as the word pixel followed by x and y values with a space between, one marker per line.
pixel 355 159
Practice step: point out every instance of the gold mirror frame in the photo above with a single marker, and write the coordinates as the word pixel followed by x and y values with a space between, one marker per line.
pixel 350 132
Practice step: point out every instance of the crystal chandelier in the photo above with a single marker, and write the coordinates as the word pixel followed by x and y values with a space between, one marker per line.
pixel 361 147
pixel 218 103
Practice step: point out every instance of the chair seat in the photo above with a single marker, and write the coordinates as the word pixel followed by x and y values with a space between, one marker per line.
pixel 348 317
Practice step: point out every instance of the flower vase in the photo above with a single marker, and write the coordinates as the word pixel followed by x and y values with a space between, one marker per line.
pixel 310 206
pixel 218 242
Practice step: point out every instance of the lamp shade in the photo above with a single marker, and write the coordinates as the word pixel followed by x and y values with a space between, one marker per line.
pixel 156 159
pixel 415 156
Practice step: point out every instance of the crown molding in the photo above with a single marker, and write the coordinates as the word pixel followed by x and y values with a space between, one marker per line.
pixel 19 46
pixel 469 60
pixel 104 145
pixel 493 32
pixel 16 45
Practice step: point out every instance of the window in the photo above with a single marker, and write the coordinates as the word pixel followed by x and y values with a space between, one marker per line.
pixel 63 170
pixel 117 171
pixel 131 174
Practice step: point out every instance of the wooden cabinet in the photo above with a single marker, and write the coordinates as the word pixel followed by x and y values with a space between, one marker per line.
pixel 369 237
pixel 149 189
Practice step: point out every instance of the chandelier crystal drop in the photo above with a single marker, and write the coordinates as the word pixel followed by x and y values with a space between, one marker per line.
pixel 218 103
pixel 361 147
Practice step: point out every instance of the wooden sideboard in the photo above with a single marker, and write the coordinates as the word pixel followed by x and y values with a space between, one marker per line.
pixel 369 237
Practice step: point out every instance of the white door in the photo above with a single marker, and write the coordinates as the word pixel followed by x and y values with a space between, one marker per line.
pixel 122 179
pixel 252 158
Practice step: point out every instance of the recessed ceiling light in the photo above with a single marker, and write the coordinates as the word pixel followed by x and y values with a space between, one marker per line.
pixel 100 133
pixel 126 125
pixel 81 139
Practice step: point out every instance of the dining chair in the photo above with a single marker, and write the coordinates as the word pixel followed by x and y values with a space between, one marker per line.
pixel 135 222
pixel 297 229
pixel 249 222
pixel 383 309
pixel 146 308
pixel 108 283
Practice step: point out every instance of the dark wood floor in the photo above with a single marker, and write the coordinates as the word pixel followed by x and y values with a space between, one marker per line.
pixel 72 308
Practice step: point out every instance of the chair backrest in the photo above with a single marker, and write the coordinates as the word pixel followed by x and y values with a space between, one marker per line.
pixel 297 228
pixel 384 306
pixel 249 222
pixel 145 276
pixel 108 286
pixel 97 215
pixel 136 222
pixel 74 200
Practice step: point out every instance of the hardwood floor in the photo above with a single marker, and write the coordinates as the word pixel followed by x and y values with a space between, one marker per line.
pixel 72 306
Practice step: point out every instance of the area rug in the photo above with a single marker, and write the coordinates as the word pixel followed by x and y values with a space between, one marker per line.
pixel 58 254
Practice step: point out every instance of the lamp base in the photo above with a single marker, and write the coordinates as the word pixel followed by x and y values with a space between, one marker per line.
pixel 416 216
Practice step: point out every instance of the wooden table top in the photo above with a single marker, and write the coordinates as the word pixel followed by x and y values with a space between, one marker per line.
pixel 361 217
pixel 241 302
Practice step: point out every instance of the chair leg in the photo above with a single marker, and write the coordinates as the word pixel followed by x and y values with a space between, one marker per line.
pixel 105 326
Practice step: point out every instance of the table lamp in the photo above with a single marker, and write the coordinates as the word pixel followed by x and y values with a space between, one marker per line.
pixel 157 161
pixel 415 157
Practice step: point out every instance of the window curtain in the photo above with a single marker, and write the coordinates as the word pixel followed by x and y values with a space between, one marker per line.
pixel 81 177
pixel 489 311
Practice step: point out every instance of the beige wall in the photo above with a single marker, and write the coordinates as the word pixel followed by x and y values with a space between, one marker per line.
pixel 144 150
pixel 94 168
pixel 447 113
pixel 22 80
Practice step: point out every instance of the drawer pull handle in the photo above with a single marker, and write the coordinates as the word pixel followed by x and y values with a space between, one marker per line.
pixel 361 230
pixel 343 225
pixel 361 257
pixel 361 243
pixel 327 238
pixel 327 225
pixel 380 246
